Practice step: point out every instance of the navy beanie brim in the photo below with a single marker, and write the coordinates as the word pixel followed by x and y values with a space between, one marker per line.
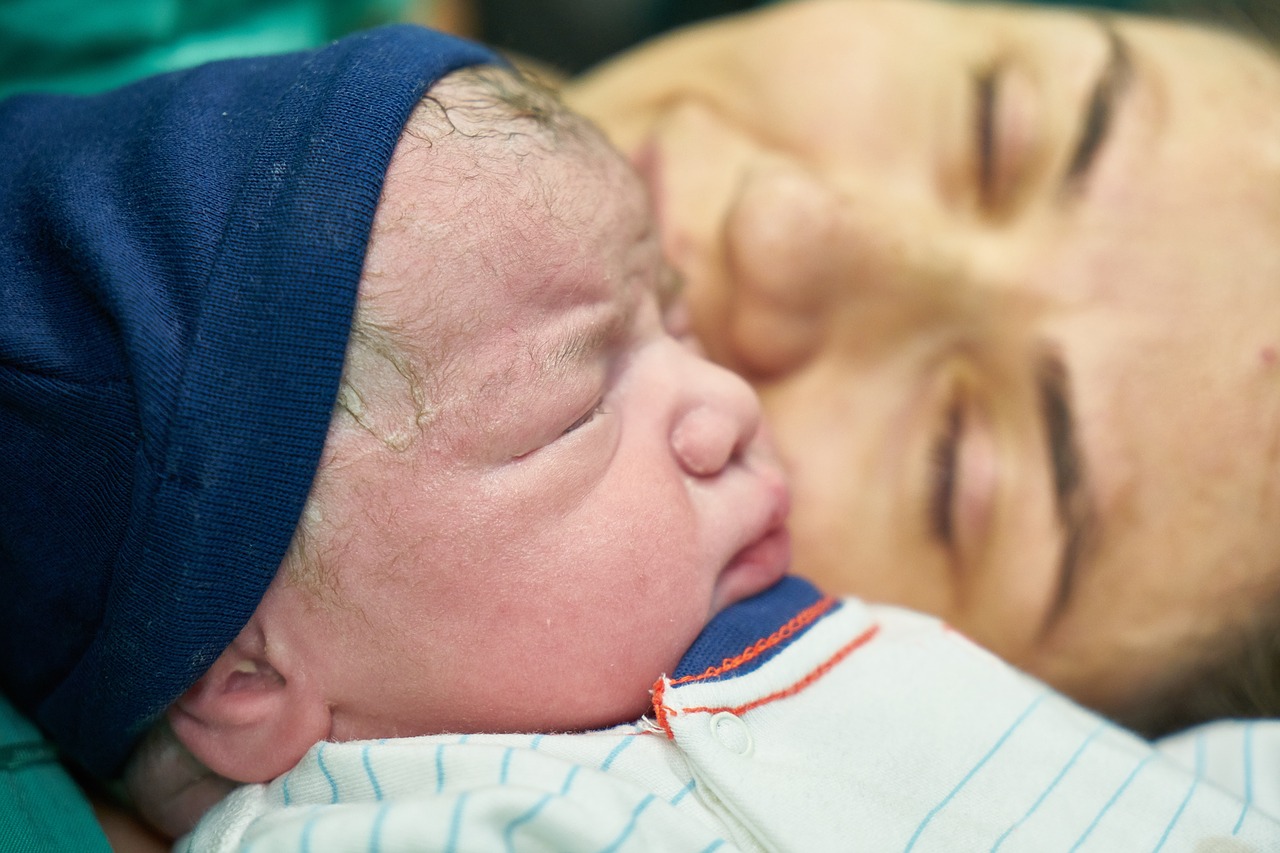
pixel 181 262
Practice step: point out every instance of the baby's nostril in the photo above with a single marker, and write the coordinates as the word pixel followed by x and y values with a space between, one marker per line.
pixel 705 440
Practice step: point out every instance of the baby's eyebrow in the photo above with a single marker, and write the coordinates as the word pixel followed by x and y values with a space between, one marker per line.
pixel 586 341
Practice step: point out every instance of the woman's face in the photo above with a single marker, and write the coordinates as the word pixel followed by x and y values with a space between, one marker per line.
pixel 1008 281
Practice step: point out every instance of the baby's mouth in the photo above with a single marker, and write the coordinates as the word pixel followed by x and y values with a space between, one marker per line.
pixel 763 561
pixel 755 568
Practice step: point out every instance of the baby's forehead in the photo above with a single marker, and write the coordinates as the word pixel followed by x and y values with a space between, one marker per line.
pixel 560 233
pixel 470 222
pixel 464 200
pixel 487 252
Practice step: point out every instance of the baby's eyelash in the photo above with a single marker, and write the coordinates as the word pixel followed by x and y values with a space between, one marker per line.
pixel 597 409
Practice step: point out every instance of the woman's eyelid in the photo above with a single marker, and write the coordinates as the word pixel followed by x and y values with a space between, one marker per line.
pixel 985 94
pixel 943 472
pixel 963 494
pixel 1008 137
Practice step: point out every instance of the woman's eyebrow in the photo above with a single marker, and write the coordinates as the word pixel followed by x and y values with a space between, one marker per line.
pixel 1104 101
pixel 1072 490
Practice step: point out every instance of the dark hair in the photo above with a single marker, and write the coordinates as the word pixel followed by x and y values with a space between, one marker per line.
pixel 1257 19
pixel 1236 677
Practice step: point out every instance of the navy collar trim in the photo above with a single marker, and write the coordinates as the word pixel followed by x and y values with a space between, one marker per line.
pixel 746 635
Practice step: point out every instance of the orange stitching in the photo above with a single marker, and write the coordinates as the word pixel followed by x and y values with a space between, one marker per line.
pixel 813 676
pixel 660 711
pixel 800 620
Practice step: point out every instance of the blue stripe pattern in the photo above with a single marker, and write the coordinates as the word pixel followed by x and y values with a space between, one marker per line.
pixel 1075 756
pixel 373 777
pixel 375 831
pixel 328 777
pixel 313 817
pixel 615 752
pixel 1191 790
pixel 630 827
pixel 455 825
pixel 439 767
pixel 683 792
pixel 1248 776
pixel 508 834
pixel 973 771
pixel 1111 802
pixel 568 780
pixel 506 765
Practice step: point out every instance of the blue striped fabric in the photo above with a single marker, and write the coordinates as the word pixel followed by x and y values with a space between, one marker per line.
pixel 904 738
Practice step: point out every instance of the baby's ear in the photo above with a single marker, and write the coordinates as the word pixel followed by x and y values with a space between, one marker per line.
pixel 250 718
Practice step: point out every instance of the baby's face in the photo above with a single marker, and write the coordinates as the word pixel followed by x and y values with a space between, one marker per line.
pixel 580 493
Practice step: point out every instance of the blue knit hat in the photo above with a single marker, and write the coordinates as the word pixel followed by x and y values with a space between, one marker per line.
pixel 178 271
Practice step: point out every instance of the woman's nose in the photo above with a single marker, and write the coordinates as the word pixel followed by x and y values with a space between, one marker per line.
pixel 777 236
pixel 805 257
pixel 718 416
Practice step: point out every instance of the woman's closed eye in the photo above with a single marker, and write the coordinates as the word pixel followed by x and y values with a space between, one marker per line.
pixel 942 471
pixel 962 472
pixel 985 93
pixel 1006 135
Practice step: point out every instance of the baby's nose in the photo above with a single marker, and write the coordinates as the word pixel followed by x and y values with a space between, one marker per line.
pixel 720 419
